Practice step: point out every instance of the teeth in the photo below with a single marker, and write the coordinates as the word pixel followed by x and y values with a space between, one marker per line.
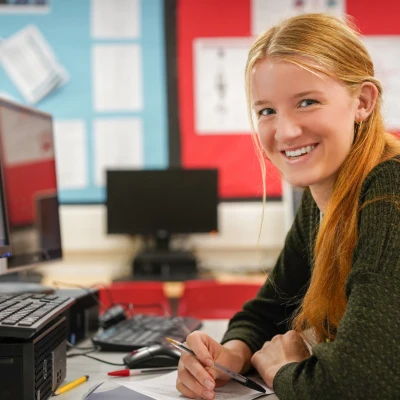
pixel 299 152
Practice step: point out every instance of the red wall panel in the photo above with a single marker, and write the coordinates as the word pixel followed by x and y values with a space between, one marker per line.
pixel 234 155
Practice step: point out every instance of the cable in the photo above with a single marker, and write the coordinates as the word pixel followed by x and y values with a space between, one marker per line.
pixel 81 348
pixel 95 358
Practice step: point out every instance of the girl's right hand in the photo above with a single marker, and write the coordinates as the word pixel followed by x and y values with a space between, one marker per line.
pixel 197 377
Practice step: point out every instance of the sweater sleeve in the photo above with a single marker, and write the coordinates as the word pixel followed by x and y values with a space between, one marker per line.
pixel 363 361
pixel 269 313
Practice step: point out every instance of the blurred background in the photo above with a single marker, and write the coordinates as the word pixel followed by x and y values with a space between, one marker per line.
pixel 155 85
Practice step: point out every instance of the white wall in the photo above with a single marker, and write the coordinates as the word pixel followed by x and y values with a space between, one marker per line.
pixel 235 247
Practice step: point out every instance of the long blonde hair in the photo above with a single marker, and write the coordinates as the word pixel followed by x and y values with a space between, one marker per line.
pixel 324 44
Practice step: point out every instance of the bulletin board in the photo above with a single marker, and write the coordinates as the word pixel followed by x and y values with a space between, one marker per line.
pixel 133 137
pixel 233 152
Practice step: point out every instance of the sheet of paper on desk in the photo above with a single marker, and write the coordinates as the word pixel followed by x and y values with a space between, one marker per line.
pixel 163 388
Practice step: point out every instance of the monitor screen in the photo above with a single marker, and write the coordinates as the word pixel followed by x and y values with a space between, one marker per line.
pixel 27 152
pixel 154 201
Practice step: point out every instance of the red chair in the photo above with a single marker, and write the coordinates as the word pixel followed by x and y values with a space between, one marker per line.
pixel 141 297
pixel 213 299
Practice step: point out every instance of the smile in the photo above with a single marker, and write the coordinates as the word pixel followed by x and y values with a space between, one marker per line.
pixel 291 154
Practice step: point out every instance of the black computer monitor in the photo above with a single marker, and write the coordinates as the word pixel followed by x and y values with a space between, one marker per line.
pixel 5 247
pixel 162 202
pixel 29 172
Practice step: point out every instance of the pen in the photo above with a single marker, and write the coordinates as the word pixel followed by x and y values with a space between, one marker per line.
pixel 134 372
pixel 235 376
pixel 71 385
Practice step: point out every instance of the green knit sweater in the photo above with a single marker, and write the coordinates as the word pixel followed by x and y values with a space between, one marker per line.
pixel 364 360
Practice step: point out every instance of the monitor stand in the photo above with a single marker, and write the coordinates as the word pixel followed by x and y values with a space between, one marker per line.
pixel 23 282
pixel 162 263
pixel 24 287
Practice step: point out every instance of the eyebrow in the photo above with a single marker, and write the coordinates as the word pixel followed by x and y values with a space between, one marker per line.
pixel 297 95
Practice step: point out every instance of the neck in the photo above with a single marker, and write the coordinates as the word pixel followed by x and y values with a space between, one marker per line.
pixel 321 193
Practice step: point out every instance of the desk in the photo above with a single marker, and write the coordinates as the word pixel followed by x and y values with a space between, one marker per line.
pixel 78 366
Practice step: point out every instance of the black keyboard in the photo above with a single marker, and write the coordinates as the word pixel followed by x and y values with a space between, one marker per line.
pixel 23 315
pixel 144 330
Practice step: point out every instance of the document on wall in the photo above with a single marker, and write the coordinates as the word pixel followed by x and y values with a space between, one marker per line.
pixel 118 143
pixel 219 86
pixel 265 14
pixel 112 19
pixel 163 388
pixel 385 54
pixel 117 77
pixel 71 154
pixel 31 64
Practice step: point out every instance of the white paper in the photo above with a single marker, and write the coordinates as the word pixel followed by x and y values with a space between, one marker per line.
pixel 111 19
pixel 266 13
pixel 163 388
pixel 71 156
pixel 385 54
pixel 220 96
pixel 118 143
pixel 24 142
pixel 117 77
pixel 31 64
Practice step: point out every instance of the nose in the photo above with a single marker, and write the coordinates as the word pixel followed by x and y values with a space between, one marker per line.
pixel 287 129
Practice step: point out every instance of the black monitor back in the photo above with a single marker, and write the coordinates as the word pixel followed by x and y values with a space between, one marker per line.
pixel 150 202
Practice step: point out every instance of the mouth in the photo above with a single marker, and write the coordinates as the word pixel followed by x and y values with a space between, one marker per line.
pixel 300 152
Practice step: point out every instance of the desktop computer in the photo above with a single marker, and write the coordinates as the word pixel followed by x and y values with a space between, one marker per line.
pixel 33 328
pixel 30 192
pixel 158 204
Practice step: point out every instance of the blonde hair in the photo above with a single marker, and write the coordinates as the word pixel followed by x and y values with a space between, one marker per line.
pixel 321 43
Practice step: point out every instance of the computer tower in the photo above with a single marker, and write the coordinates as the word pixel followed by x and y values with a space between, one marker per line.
pixel 32 369
pixel 83 315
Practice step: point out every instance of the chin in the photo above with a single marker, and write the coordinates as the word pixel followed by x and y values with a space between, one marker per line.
pixel 299 182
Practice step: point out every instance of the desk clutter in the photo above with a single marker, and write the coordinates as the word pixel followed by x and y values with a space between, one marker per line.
pixel 133 318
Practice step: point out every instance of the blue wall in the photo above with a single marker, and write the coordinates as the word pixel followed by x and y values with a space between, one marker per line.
pixel 67 29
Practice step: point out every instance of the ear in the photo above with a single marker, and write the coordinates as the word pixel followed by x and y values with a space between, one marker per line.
pixel 367 97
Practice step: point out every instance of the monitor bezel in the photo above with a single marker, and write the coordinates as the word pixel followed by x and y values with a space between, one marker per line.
pixel 5 249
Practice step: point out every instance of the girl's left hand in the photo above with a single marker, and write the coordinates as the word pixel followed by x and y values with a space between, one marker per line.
pixel 281 350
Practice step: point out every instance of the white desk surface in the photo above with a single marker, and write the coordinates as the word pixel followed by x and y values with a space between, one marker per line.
pixel 79 366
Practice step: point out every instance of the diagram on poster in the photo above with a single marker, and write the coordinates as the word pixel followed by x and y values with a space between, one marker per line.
pixel 219 85
pixel 265 14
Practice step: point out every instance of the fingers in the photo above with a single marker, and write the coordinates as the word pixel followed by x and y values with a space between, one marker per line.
pixel 193 378
pixel 200 343
pixel 189 386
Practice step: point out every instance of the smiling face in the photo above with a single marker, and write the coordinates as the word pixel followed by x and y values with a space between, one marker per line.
pixel 305 122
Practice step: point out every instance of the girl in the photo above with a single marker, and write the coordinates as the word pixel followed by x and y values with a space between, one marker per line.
pixel 316 108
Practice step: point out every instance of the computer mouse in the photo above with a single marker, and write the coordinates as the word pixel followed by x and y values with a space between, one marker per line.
pixel 152 356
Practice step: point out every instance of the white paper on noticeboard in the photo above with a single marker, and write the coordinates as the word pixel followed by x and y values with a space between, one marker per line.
pixel 219 85
pixel 118 143
pixel 266 13
pixel 111 19
pixel 31 64
pixel 71 154
pixel 117 77
pixel 385 54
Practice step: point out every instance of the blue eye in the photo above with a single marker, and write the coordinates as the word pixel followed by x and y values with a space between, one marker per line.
pixel 307 102
pixel 266 111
